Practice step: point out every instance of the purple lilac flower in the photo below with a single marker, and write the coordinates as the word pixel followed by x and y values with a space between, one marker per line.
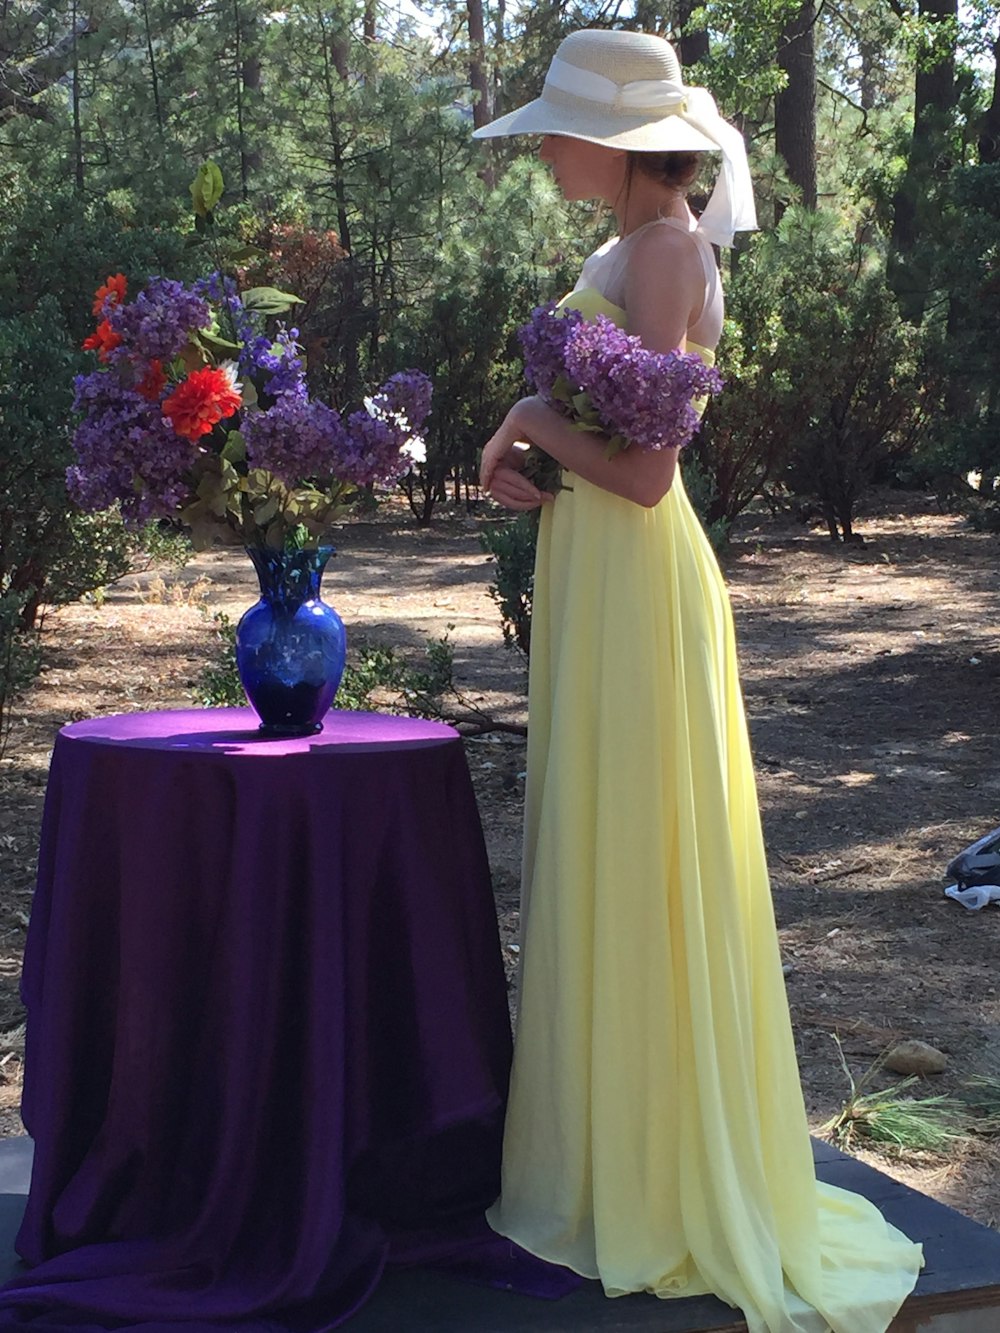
pixel 406 394
pixel 372 449
pixel 126 452
pixel 642 395
pixel 157 323
pixel 544 339
pixel 215 287
pixel 295 439
pixel 279 361
pixel 222 291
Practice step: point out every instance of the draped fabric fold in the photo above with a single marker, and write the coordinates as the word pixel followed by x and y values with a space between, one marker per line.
pixel 268 1039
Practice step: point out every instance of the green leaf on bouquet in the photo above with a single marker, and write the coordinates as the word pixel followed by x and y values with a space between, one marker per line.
pixel 275 534
pixel 201 523
pixel 211 342
pixel 269 300
pixel 257 481
pixel 265 510
pixel 206 189
pixel 235 448
pixel 229 478
pixel 315 525
pixel 586 415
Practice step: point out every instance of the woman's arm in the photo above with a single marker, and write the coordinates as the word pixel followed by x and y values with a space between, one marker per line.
pixel 641 475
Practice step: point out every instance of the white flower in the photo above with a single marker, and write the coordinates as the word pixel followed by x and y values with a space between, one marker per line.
pixel 231 371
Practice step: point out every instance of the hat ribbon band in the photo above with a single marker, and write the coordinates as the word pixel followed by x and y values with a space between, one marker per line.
pixel 643 95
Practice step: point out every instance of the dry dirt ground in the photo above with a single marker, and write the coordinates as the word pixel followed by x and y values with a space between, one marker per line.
pixel 871 677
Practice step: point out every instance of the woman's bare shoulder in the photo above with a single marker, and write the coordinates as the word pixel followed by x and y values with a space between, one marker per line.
pixel 663 244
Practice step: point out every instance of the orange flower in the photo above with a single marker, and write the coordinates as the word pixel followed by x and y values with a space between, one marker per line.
pixel 205 397
pixel 152 386
pixel 114 288
pixel 102 342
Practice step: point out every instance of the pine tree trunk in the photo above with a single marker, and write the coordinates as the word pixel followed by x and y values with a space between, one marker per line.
pixel 934 99
pixel 795 104
pixel 989 136
pixel 78 175
pixel 153 73
pixel 238 75
pixel 499 54
pixel 477 66
pixel 693 46
pixel 335 55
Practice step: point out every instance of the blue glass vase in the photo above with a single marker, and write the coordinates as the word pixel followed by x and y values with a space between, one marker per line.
pixel 290 646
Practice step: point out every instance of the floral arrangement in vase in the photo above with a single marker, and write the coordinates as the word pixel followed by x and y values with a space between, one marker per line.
pixel 197 413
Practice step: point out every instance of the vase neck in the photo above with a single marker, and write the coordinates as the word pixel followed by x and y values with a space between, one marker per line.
pixel 289 577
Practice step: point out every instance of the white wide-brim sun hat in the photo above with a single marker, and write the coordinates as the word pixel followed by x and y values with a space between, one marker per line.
pixel 624 90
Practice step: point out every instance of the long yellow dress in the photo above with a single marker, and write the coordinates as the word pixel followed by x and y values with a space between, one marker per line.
pixel 656 1135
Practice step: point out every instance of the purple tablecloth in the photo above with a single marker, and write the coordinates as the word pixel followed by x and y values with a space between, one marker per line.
pixel 268 1042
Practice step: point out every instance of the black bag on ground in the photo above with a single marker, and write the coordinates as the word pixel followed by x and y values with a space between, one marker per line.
pixel 978 864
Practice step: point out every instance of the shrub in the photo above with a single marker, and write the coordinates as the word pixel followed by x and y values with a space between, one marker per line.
pixel 512 547
pixel 827 386
pixel 48 552
pixel 19 658
pixel 54 251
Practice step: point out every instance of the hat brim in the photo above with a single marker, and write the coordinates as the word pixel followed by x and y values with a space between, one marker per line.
pixel 665 134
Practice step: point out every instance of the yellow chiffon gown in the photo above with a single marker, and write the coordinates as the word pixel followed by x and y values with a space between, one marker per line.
pixel 656 1136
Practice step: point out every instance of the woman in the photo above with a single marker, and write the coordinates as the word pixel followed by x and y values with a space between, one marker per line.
pixel 656 1136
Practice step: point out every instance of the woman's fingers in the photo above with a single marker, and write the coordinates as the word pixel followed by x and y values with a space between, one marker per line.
pixel 494 452
pixel 513 490
pixel 501 450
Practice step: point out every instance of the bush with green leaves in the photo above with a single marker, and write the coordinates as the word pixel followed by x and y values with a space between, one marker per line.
pixel 828 388
pixel 54 252
pixel 48 552
pixel 962 322
pixel 506 258
pixel 511 544
pixel 19 658
pixel 862 372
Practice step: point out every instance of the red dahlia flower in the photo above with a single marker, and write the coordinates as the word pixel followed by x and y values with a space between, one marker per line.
pixel 114 288
pixel 104 341
pixel 204 398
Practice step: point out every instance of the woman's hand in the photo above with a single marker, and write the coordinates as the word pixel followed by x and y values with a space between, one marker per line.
pixel 512 489
pixel 500 473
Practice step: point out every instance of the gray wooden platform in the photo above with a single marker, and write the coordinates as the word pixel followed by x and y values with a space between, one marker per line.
pixel 958 1291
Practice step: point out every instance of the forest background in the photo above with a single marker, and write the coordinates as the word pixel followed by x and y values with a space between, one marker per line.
pixel 862 340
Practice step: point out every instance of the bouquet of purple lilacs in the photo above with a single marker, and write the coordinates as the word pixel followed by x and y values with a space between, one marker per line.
pixel 198 412
pixel 606 381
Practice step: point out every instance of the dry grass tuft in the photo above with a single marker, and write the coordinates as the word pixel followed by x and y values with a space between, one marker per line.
pixel 891 1119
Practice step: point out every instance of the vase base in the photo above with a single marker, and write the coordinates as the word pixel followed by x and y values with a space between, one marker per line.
pixel 283 730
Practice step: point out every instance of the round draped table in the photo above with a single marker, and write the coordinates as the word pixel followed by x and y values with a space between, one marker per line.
pixel 268 1042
